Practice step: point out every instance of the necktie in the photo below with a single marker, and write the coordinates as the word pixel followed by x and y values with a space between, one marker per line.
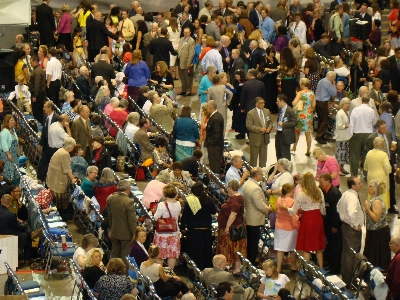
pixel 240 173
pixel 379 97
pixel 48 123
pixel 21 94
pixel 262 118
pixel 386 145
pixel 28 64
pixel 122 27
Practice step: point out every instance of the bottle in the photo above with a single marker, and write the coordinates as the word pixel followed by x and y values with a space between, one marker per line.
pixel 64 242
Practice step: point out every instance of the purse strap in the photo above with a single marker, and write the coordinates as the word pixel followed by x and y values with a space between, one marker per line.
pixel 166 205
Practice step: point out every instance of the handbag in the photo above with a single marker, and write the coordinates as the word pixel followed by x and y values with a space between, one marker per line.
pixel 261 75
pixel 238 233
pixel 299 106
pixel 166 224
pixel 332 33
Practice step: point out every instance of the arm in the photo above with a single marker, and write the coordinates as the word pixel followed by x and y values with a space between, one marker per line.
pixel 139 39
pixel 298 96
pixel 260 291
pixel 376 212
pixel 131 213
pixel 250 124
pixel 217 34
pixel 230 95
pixel 292 121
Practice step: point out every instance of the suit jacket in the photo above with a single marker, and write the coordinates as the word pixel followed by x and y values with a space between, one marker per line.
pixel 187 24
pixel 215 276
pixel 367 17
pixel 186 52
pixel 255 58
pixel 143 140
pixel 215 131
pixel 293 9
pixel 45 131
pixel 369 144
pixel 97 35
pixel 255 206
pixel 83 84
pixel 320 48
pixel 45 19
pixel 138 253
pixel 253 18
pixel 194 9
pixel 395 72
pixel 225 64
pixel 160 48
pixel 278 14
pixel 103 68
pixel 162 115
pixel 227 12
pixel 374 95
pixel 81 135
pixel 254 124
pixel 213 30
pixel 289 126
pixel 122 216
pixel 217 93
pixel 163 24
pixel 147 38
pixel 37 81
pixel 9 223
pixel 237 64
pixel 332 218
pixel 251 89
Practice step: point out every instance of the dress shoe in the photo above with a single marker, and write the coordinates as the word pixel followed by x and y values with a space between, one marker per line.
pixel 182 94
pixel 320 141
pixel 239 137
pixel 188 94
pixel 393 210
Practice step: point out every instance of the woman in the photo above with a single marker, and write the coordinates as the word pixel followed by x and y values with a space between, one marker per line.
pixel 174 33
pixel 311 235
pixel 357 73
pixel 298 28
pixel 395 36
pixel 21 69
pixel 342 153
pixel 5 183
pixel 311 69
pixel 162 77
pixel 137 73
pixel 88 242
pixel 126 55
pixel 164 284
pixel 385 75
pixel 114 103
pixel 196 62
pixel 181 178
pixel 205 116
pixel 160 154
pixel 102 98
pixel 196 225
pixel 244 21
pixel 378 166
pixel 115 14
pixel 272 281
pixel 93 269
pixel 132 125
pixel 143 94
pixel 341 70
pixel 154 189
pixel 197 31
pixel 82 14
pixel 168 242
pixel 385 111
pixel 111 26
pixel 238 117
pixel 282 41
pixel 64 28
pixel 186 134
pixel 101 156
pixel 377 240
pixel 138 41
pixel 74 112
pixel 68 97
pixel 393 15
pixel 285 228
pixel 137 250
pixel 205 84
pixel 317 27
pixel 210 44
pixel 327 164
pixel 231 214
pixel 304 116
pixel 374 40
pixel 42 54
pixel 105 187
pixel 87 185
pixel 269 66
pixel 287 73
pixel 17 206
pixel 115 283
pixel 9 152
pixel 393 98
pixel 119 115
pixel 78 163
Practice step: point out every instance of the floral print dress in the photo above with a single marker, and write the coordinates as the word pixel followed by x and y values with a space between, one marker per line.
pixel 305 116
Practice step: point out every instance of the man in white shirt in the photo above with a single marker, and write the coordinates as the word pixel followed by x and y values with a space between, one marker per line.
pixel 363 92
pixel 58 131
pixel 351 213
pixel 213 58
pixel 235 172
pixel 53 77
pixel 362 122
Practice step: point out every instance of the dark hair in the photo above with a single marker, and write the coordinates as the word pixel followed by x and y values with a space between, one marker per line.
pixel 385 64
pixel 96 119
pixel 148 17
pixel 74 152
pixel 197 154
pixel 177 165
pixel 282 30
pixel 21 54
pixel 287 58
pixel 241 73
pixel 35 58
pixel 287 188
pixel 270 49
pixel 392 96
pixel 116 266
pixel 74 103
pixel 386 106
pixel 141 26
pixel 216 79
pixel 161 141
pixel 100 83
pixel 214 16
pixel 223 288
pixel 77 29
pixel 325 36
pixel 98 139
pixel 326 177
pixel 164 31
pixel 143 122
pixel 53 51
pixel 377 23
pixel 285 294
pixel 12 188
pixel 170 191
pixel 282 97
pixel 203 19
pixel 126 48
pixel 114 11
pixel 186 111
pixel 351 181
pixel 198 189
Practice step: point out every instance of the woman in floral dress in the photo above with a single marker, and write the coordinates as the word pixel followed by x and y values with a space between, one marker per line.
pixel 9 148
pixel 305 115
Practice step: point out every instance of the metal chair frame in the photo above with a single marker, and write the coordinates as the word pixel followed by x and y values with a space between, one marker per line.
pixel 83 282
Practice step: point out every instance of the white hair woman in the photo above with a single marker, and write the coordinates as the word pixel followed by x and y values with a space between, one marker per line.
pixel 94 268
pixel 58 175
pixel 68 97
pixel 132 126
pixel 102 97
pixel 342 135
pixel 154 189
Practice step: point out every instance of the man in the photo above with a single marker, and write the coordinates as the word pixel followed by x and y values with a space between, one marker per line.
pixel 285 128
pixel 252 89
pixel 229 23
pixel 194 9
pixel 138 16
pixel 332 223
pixel 255 210
pixel 226 56
pixel 179 7
pixel 395 69
pixel 143 140
pixel 161 48
pixel 393 271
pixel 161 20
pixel 332 7
pixel 363 15
pixel 267 25
pixel 279 13
pixel 27 49
pixel 362 122
pixel 191 164
pixel 47 153
pixel 321 46
pixel 225 291
pixel 325 90
pixel 135 6
pixel 363 92
pixel 340 93
pixel 185 53
pixel 255 15
pixel 97 36
pixel 352 216
pixel 381 130
pixel 83 82
pixel 213 58
pixel 161 113
pixel 185 23
pixel 223 10
pixel 45 24
pixel 336 25
pixel 259 125
pixel 104 69
pixel 81 132
pixel 90 18
pixel 9 225
pixel 53 77
pixel 235 172
pixel 221 96
pixel 237 64
pixel 37 87
pixel 126 27
pixel 122 218
pixel 212 28
pixel 147 38
pixel 254 56
pixel 217 274
pixel 375 91
pixel 296 7
pixel 58 132
pixel 214 137
pixel 207 9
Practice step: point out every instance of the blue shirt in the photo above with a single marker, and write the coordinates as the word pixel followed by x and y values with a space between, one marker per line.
pixel 204 85
pixel 267 28
pixel 389 123
pixel 325 90
pixel 281 118
pixel 137 74
pixel 233 173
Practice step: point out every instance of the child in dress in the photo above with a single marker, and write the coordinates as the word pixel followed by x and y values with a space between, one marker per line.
pixel 79 52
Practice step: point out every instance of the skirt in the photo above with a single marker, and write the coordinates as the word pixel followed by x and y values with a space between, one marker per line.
pixel 342 152
pixel 182 152
pixel 229 248
pixel 133 92
pixel 198 246
pixel 285 240
pixel 377 248
pixel 169 245
pixel 311 235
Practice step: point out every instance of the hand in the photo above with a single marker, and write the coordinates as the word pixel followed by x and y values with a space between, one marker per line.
pixel 339 41
pixel 247 55
pixel 246 173
pixel 10 159
pixel 334 230
pixel 48 86
pixel 226 231
pixel 73 180
pixel 269 192
pixel 109 235
pixel 366 205
pixel 227 59
pixel 39 147
pixel 242 110
pixel 65 124
pixel 120 39
pixel 358 228
pixel 33 99
pixel 280 124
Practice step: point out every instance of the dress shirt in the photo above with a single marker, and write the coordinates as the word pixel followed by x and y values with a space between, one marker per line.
pixel 54 69
pixel 214 58
pixel 386 148
pixel 261 115
pixel 267 28
pixel 146 106
pixel 48 120
pixel 17 92
pixel 233 173
pixel 387 117
pixel 362 120
pixel 57 135
pixel 350 210
pixel 300 31
pixel 280 118
pixel 357 102
pixel 127 29
pixel 325 90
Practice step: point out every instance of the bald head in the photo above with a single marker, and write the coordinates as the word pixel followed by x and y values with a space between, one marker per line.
pixel 63 118
pixel 6 200
pixel 363 91
pixel 212 104
pixel 97 15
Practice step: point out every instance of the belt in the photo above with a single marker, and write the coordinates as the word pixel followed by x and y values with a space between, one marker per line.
pixel 78 46
pixel 202 228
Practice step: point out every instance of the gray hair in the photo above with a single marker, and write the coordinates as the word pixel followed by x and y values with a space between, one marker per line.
pixel 233 184
pixel 224 38
pixel 123 103
pixel 68 95
pixel 363 90
pixel 217 44
pixel 188 296
pixel 331 74
pixel 379 143
pixel 107 176
pixel 151 96
pixel 211 68
pixel 68 143
pixel 133 117
pixel 212 104
pixel 164 177
pixel 82 69
pixel 343 102
pixel 254 43
pixel 286 164
pixel 294 42
pixel 114 101
pixel 90 169
pixel 235 158
pixel 123 185
pixel 217 259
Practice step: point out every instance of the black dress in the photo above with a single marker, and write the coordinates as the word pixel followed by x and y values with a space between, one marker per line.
pixel 234 106
pixel 91 275
pixel 356 73
pixel 385 76
pixel 271 86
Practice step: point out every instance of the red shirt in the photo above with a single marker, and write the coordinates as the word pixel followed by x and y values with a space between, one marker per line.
pixel 393 276
pixel 118 116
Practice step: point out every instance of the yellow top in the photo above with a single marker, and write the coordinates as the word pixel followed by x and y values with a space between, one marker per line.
pixel 82 18
pixel 19 70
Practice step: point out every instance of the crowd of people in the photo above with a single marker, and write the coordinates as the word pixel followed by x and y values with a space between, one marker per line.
pixel 252 59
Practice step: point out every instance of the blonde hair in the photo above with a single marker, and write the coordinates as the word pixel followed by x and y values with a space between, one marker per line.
pixel 305 82
pixel 317 151
pixel 269 263
pixel 380 186
pixel 379 143
pixel 65 7
pixel 255 35
pixel 222 75
pixel 310 188
pixel 88 259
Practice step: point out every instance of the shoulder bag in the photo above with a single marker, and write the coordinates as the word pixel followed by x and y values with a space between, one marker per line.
pixel 299 106
pixel 238 233
pixel 166 225
pixel 332 33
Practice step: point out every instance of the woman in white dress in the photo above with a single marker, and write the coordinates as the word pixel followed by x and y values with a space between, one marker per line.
pixel 174 35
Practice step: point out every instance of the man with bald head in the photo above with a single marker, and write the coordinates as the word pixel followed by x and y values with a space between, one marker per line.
pixel 58 131
pixel 81 132
pixel 135 7
pixel 147 38
pixel 83 82
pixel 363 92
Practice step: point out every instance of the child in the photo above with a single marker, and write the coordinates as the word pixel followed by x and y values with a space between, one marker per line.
pixel 272 281
pixel 22 95
pixel 77 43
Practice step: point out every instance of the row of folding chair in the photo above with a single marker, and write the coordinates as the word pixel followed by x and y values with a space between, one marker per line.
pixel 78 289
pixel 216 189
pixel 361 274
pixel 250 276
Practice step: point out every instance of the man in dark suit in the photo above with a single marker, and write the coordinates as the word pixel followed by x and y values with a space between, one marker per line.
pixel 285 128
pixel 93 10
pixel 161 47
pixel 214 137
pixel 223 10
pixel 362 15
pixel 45 23
pixel 237 63
pixel 97 36
pixel 186 23
pixel 50 117
pixel 321 46
pixel 255 14
pixel 83 82
pixel 255 55
pixel 104 69
pixel 395 69
pixel 226 56
pixel 37 87
pixel 332 223
pixel 194 9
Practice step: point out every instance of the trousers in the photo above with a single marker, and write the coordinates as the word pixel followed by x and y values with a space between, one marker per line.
pixel 351 239
pixel 214 158
pixel 253 236
pixel 357 149
pixel 323 118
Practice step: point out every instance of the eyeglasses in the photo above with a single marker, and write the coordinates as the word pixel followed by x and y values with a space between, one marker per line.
pixel 16 191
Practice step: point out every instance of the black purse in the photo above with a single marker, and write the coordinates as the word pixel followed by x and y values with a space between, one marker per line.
pixel 238 233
